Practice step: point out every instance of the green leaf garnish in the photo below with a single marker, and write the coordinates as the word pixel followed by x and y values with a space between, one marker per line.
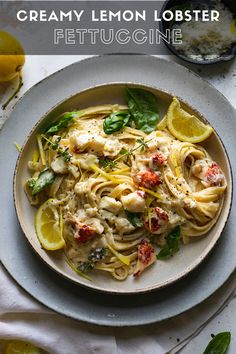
pixel 143 108
pixel 115 122
pixel 219 344
pixel 62 123
pixel 172 244
pixel 134 219
pixel 44 180
pixel 95 256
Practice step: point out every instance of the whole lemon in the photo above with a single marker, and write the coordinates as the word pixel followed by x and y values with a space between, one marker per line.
pixel 12 57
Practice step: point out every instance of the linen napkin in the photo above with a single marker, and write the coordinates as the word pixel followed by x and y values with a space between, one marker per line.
pixel 22 317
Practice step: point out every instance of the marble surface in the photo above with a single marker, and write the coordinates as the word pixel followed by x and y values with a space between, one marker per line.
pixel 223 77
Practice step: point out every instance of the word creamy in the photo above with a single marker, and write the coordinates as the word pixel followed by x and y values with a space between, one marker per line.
pixel 45 16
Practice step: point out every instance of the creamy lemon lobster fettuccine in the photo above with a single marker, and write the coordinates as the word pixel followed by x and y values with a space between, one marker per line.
pixel 118 191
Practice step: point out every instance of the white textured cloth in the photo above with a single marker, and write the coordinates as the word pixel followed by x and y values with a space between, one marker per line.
pixel 21 317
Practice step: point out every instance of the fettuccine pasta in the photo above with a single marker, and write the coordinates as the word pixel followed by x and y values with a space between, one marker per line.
pixel 121 194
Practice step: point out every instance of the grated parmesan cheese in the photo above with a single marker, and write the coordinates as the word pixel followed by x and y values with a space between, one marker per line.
pixel 208 40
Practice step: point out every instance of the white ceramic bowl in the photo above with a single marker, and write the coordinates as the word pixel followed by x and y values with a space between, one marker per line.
pixel 162 273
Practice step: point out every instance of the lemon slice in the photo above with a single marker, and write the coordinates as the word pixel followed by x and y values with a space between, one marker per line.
pixel 49 225
pixel 184 126
pixel 21 347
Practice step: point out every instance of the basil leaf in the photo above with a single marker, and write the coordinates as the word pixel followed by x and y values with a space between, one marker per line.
pixel 115 122
pixel 219 344
pixel 173 237
pixel 45 178
pixel 172 244
pixel 164 253
pixel 134 219
pixel 144 109
pixel 63 122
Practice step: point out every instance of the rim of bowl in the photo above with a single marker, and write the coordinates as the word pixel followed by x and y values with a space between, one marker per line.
pixel 93 287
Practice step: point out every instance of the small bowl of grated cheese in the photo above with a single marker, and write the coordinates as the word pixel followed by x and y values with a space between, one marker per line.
pixel 206 28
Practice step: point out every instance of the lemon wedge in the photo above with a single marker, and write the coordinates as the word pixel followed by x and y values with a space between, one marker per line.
pixel 184 126
pixel 49 226
pixel 21 347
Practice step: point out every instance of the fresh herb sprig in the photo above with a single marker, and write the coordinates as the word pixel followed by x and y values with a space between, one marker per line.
pixel 107 164
pixel 95 256
pixel 64 153
pixel 172 244
pixel 129 152
pixel 134 219
pixel 65 120
pixel 142 144
pixel 115 122
pixel 143 113
pixel 143 108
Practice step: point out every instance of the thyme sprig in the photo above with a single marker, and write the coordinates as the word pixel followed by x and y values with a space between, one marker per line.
pixel 64 153
pixel 143 146
pixel 107 164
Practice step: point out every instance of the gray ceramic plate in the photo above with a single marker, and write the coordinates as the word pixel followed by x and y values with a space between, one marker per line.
pixel 162 273
pixel 62 295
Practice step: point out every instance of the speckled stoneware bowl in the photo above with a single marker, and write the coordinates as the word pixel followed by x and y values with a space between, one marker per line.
pixel 162 273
